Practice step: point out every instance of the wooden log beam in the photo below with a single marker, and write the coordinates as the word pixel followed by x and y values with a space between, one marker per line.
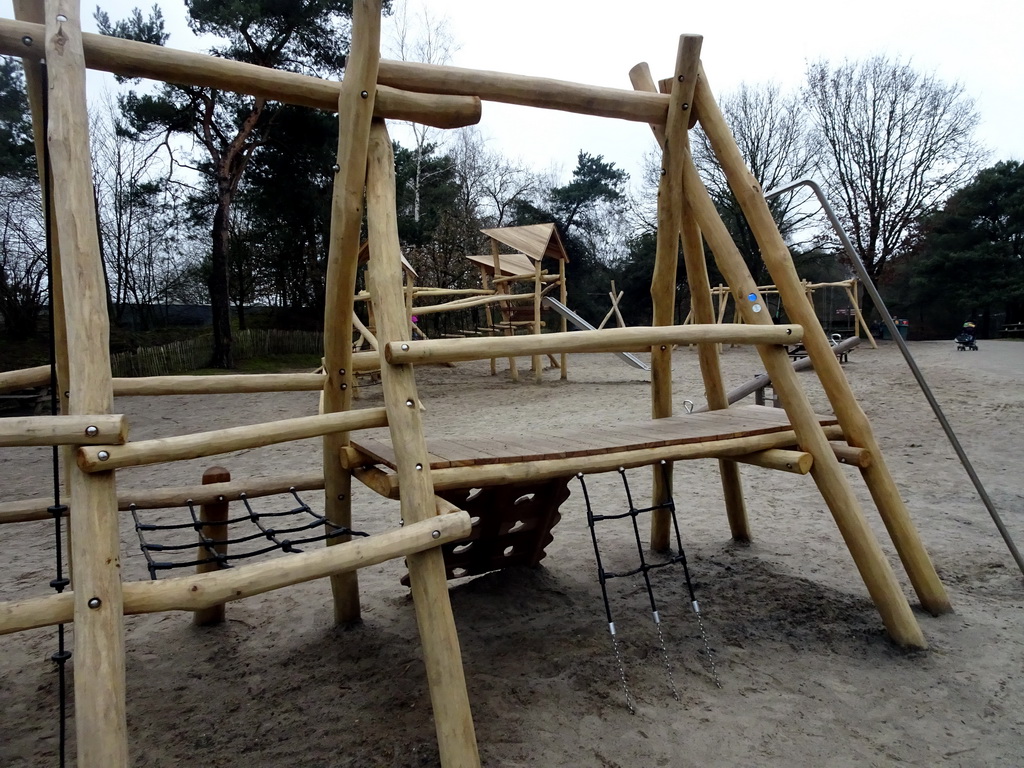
pixel 129 58
pixel 797 462
pixel 63 430
pixel 354 116
pixel 482 475
pixel 855 423
pixel 526 91
pixel 99 680
pixel 847 454
pixel 11 381
pixel 442 656
pixel 27 510
pixel 835 489
pixel 218 385
pixel 202 591
pixel 469 303
pixel 181 447
pixel 635 339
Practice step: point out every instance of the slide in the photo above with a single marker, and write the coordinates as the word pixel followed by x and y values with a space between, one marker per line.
pixel 583 325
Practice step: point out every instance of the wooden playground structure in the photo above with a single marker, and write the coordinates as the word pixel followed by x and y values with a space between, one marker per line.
pixel 432 479
pixel 722 295
pixel 500 274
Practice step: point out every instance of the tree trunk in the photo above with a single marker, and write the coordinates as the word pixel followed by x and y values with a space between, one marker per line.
pixel 220 300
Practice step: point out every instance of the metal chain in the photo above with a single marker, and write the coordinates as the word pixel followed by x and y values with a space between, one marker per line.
pixel 622 669
pixel 664 656
pixel 707 646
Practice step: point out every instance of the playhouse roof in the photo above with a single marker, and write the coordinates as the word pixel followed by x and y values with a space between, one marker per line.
pixel 364 254
pixel 533 240
pixel 511 263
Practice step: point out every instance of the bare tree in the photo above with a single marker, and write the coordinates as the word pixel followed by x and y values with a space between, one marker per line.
pixel 490 184
pixel 771 131
pixel 137 221
pixel 894 144
pixel 22 255
pixel 426 39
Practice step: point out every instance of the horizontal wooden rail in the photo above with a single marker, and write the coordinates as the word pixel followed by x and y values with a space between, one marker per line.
pixel 107 457
pixel 216 385
pixel 198 591
pixel 635 339
pixel 26 510
pixel 481 475
pixel 848 454
pixel 469 303
pixel 797 462
pixel 12 381
pixel 134 59
pixel 63 430
pixel 526 91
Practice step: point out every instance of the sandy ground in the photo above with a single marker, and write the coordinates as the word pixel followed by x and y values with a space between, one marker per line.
pixel 808 676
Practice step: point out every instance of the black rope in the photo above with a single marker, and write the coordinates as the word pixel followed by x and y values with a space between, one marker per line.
pixel 275 535
pixel 58 511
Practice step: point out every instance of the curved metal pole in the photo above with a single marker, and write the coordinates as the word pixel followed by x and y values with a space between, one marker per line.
pixel 872 291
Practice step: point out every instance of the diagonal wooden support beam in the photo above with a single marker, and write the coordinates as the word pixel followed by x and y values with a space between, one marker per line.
pixel 826 470
pixel 855 423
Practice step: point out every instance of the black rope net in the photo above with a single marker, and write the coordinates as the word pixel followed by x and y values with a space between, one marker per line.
pixel 188 544
pixel 644 568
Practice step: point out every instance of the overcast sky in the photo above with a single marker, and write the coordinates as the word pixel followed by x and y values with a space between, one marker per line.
pixel 597 42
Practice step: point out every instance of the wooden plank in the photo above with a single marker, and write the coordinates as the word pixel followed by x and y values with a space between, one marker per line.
pixel 707 427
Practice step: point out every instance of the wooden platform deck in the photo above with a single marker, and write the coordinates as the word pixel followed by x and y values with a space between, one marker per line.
pixel 545 445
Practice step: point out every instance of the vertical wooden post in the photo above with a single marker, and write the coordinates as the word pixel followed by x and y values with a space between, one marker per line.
pixel 503 306
pixel 215 514
pixel 538 366
pixel 663 281
pixel 563 325
pixel 355 110
pixel 100 724
pixel 33 11
pixel 855 424
pixel 852 292
pixel 442 656
pixel 702 310
pixel 489 318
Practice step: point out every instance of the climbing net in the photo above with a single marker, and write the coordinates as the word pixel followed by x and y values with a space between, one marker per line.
pixel 644 569
pixel 277 529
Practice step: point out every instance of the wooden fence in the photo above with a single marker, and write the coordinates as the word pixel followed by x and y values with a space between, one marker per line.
pixel 192 354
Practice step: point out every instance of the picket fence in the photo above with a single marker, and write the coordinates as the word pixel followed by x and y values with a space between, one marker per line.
pixel 192 354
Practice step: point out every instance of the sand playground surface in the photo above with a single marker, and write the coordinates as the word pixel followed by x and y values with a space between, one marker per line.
pixel 808 675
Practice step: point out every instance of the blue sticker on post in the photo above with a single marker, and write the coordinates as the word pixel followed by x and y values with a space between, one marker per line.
pixel 752 297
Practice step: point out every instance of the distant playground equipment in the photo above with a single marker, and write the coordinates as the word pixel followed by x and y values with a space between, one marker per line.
pixel 965 340
pixel 847 317
pixel 520 285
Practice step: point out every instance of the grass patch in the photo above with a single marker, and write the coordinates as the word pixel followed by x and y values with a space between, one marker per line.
pixel 268 364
